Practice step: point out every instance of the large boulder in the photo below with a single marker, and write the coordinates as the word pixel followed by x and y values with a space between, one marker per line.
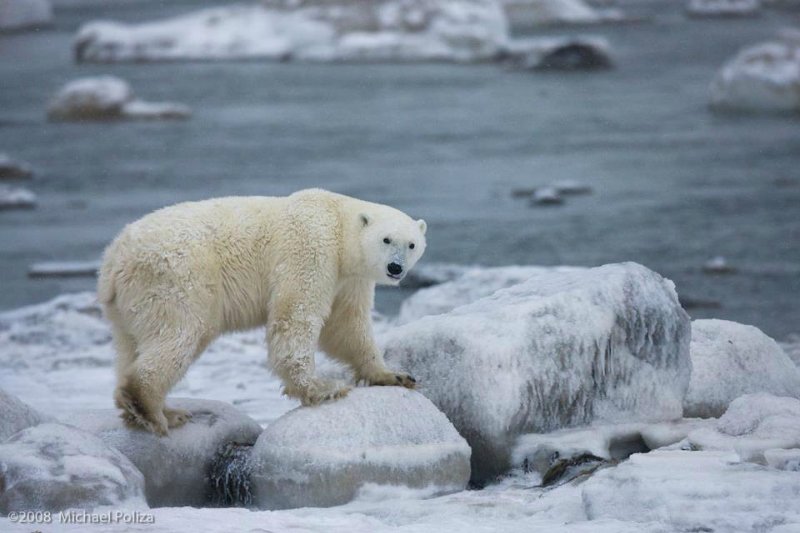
pixel 107 98
pixel 609 344
pixel 17 15
pixel 752 425
pixel 15 415
pixel 761 78
pixel 322 456
pixel 176 468
pixel 52 467
pixel 693 491
pixel 729 360
pixel 311 30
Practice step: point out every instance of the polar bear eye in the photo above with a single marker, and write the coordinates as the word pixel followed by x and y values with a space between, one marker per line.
pixel 411 245
pixel 387 240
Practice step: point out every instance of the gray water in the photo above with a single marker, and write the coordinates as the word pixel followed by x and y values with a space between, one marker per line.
pixel 674 185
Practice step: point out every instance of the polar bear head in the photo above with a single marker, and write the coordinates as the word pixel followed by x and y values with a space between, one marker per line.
pixel 391 244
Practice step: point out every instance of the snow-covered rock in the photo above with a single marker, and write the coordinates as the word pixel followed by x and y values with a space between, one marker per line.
pixel 323 456
pixel 723 8
pixel 314 30
pixel 524 14
pixel 16 415
pixel 18 15
pixel 11 169
pixel 753 424
pixel 609 344
pixel 558 53
pixel 473 283
pixel 694 491
pixel 783 459
pixel 175 467
pixel 729 360
pixel 62 269
pixel 52 467
pixel 16 198
pixel 761 78
pixel 107 98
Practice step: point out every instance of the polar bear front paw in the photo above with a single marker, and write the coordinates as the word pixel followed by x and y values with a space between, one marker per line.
pixel 322 390
pixel 397 379
pixel 176 417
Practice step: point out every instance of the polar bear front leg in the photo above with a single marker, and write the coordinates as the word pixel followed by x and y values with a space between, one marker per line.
pixel 292 338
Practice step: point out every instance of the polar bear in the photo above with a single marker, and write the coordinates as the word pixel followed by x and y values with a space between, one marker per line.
pixel 305 266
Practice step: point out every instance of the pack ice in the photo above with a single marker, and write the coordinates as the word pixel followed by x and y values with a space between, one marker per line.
pixel 564 348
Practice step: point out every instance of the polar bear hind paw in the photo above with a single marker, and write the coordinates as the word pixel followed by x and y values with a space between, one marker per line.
pixel 396 379
pixel 176 417
pixel 321 390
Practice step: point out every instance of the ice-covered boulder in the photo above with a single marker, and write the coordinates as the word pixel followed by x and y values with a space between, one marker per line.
pixel 16 15
pixel 564 348
pixel 107 98
pixel 524 14
pixel 761 78
pixel 471 284
pixel 52 467
pixel 729 360
pixel 16 198
pixel 175 467
pixel 313 30
pixel 693 491
pixel 322 456
pixel 11 169
pixel 753 424
pixel 723 8
pixel 557 53
pixel 16 415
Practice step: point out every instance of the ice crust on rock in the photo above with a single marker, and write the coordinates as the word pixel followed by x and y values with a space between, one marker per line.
pixel 761 78
pixel 562 349
pixel 16 15
pixel 312 30
pixel 729 360
pixel 107 98
pixel 175 467
pixel 52 467
pixel 16 415
pixel 693 491
pixel 325 455
pixel 753 424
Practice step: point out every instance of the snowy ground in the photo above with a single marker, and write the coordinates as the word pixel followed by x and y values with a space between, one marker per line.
pixel 57 357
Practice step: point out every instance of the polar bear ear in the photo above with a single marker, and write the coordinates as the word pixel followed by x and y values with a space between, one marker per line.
pixel 365 219
pixel 423 226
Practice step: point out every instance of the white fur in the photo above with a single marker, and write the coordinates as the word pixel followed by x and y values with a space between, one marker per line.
pixel 305 266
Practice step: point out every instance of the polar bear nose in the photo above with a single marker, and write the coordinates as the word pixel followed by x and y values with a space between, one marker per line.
pixel 394 269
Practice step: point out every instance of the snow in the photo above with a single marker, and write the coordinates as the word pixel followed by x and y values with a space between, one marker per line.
pixel 723 8
pixel 385 30
pixel 524 14
pixel 558 53
pixel 694 491
pixel 753 424
pixel 175 467
pixel 323 456
pixel 51 269
pixel 468 285
pixel 107 98
pixel 16 198
pixel 761 78
pixel 54 467
pixel 729 360
pixel 18 15
pixel 16 415
pixel 609 344
pixel 11 169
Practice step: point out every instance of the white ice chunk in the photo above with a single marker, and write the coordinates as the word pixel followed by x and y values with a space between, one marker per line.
pixel 753 424
pixel 16 15
pixel 16 415
pixel 175 467
pixel 16 198
pixel 693 491
pixel 761 78
pixel 564 348
pixel 51 467
pixel 323 456
pixel 729 360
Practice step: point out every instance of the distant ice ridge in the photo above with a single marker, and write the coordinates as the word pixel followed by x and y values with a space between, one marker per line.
pixel 524 14
pixel 761 78
pixel 311 30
